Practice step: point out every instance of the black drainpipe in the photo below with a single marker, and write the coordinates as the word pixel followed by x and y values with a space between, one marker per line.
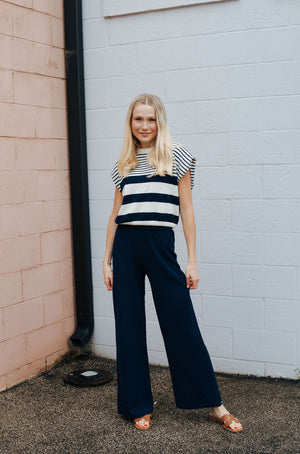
pixel 78 173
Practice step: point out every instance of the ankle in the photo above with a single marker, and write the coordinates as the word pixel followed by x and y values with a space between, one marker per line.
pixel 219 411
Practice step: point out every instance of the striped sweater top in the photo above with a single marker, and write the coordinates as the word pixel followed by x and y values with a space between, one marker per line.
pixel 152 200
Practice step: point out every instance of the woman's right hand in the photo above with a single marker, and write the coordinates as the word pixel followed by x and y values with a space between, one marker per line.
pixel 110 235
pixel 108 275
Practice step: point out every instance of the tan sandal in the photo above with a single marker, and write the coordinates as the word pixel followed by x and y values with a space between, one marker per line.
pixel 226 420
pixel 143 423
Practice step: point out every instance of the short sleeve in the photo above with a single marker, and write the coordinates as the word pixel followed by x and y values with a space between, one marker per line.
pixel 116 177
pixel 184 161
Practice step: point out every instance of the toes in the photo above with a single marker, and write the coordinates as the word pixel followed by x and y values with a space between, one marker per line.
pixel 235 425
pixel 142 423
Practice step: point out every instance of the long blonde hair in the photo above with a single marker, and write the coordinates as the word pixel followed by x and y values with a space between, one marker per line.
pixel 160 156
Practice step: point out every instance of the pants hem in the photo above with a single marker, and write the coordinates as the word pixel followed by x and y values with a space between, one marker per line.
pixel 131 417
pixel 197 407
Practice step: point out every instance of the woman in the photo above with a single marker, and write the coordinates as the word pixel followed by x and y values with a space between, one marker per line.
pixel 153 181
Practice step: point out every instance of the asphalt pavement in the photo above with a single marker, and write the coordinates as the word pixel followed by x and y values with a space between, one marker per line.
pixel 46 415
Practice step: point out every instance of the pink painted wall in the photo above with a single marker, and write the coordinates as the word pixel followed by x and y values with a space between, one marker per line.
pixel 36 269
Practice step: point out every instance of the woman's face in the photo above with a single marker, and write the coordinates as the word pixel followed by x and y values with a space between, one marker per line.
pixel 144 125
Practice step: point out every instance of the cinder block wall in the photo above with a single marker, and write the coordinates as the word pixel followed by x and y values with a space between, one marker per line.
pixel 229 75
pixel 36 274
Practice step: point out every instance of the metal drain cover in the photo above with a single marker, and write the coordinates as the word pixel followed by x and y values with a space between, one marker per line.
pixel 90 377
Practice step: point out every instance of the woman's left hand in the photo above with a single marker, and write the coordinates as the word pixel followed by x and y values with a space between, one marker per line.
pixel 192 276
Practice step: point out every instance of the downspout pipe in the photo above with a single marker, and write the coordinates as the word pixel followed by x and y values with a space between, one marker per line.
pixel 78 173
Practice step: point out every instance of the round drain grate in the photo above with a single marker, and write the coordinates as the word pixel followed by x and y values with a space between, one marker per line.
pixel 91 377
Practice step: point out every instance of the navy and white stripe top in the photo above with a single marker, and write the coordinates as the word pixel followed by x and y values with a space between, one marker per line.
pixel 152 200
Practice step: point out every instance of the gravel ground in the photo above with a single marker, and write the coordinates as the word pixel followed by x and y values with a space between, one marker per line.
pixel 45 415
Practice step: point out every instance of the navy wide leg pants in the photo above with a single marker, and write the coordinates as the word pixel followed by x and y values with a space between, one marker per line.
pixel 140 251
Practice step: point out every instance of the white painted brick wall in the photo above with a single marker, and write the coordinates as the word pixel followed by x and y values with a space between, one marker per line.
pixel 264 147
pixel 266 346
pixel 229 74
pixel 264 281
pixel 233 311
pixel 273 215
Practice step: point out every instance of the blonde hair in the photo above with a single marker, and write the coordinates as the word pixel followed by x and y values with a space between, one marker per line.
pixel 160 157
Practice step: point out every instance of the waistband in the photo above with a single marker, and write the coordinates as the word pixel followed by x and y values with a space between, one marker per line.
pixel 143 227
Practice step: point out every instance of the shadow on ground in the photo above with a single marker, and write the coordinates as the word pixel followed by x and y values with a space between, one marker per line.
pixel 45 415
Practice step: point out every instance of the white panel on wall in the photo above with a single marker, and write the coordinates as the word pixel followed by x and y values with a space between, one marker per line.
pixel 119 7
pixel 228 73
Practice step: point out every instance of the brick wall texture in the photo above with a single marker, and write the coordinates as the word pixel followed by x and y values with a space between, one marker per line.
pixel 36 270
pixel 228 73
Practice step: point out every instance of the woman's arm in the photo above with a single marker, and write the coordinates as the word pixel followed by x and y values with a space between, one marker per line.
pixel 189 228
pixel 110 235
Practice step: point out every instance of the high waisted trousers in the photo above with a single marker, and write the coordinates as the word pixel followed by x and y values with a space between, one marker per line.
pixel 140 251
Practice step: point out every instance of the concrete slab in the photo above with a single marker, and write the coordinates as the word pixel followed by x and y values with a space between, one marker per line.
pixel 45 415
